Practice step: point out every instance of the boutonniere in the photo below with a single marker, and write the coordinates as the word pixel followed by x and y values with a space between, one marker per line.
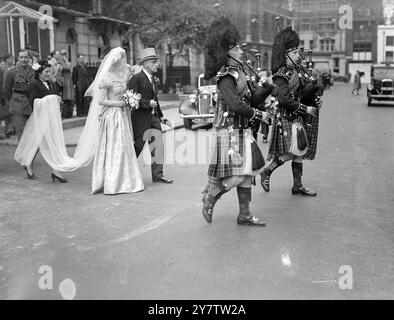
pixel 156 80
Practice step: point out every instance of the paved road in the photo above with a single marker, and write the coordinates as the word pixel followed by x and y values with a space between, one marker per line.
pixel 156 245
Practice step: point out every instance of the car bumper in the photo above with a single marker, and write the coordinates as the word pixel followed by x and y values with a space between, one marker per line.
pixel 382 96
pixel 197 116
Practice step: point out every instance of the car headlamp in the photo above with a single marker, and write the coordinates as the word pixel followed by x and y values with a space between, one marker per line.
pixel 192 98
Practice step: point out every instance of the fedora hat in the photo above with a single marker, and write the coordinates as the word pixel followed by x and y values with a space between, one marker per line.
pixel 148 54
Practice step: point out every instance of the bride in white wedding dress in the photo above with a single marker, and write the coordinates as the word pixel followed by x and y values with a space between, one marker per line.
pixel 107 136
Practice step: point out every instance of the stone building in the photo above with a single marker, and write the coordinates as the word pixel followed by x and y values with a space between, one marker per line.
pixel 362 45
pixel 317 24
pixel 81 27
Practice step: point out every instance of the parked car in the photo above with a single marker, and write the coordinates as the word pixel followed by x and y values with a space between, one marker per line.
pixel 198 108
pixel 381 87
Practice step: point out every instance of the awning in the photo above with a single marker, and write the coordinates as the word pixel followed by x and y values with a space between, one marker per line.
pixel 16 10
pixel 108 19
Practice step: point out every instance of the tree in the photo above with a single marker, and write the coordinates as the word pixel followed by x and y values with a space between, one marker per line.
pixel 172 25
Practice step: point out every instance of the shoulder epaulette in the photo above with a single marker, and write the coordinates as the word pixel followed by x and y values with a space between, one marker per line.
pixel 284 72
pixel 228 70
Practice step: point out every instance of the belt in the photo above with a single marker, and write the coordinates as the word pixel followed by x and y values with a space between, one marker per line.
pixel 20 92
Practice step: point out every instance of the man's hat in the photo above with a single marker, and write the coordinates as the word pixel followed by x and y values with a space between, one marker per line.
pixel 148 54
pixel 284 41
pixel 221 37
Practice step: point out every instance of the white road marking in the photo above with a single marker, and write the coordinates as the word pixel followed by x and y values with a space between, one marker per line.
pixel 137 232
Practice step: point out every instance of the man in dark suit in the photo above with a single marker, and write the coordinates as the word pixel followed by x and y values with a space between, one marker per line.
pixel 81 82
pixel 148 117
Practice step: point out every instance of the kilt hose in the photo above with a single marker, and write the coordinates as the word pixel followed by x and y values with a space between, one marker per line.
pixel 281 142
pixel 312 131
pixel 232 154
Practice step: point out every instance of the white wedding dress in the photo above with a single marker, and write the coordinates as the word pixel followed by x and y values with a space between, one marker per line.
pixel 107 136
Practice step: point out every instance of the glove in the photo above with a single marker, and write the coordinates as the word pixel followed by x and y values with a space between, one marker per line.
pixel 260 115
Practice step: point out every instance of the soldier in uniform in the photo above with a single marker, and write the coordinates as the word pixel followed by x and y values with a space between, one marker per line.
pixel 292 84
pixel 236 158
pixel 15 91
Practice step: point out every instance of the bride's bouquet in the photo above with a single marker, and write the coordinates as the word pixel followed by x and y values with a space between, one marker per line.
pixel 132 99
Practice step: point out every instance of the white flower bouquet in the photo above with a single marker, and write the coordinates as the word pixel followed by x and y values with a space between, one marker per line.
pixel 132 99
pixel 36 66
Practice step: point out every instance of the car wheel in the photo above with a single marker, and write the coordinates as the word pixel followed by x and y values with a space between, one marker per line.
pixel 187 123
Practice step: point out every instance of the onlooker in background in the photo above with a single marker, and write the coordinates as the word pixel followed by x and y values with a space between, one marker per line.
pixel 4 114
pixel 80 77
pixel 33 53
pixel 56 69
pixel 2 64
pixel 8 129
pixel 16 89
pixel 326 80
pixel 9 61
pixel 68 88
pixel 357 82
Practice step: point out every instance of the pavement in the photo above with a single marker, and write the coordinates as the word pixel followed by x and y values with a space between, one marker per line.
pixel 73 127
pixel 155 244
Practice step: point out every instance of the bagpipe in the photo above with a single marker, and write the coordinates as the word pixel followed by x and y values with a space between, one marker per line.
pixel 259 86
pixel 311 89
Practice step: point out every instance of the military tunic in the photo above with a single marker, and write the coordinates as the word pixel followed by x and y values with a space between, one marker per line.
pixel 233 153
pixel 16 94
pixel 16 89
pixel 291 85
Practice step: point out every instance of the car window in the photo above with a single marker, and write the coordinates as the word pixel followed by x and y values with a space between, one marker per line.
pixel 380 73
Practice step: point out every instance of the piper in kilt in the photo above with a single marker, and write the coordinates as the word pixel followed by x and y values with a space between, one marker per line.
pixel 236 158
pixel 294 90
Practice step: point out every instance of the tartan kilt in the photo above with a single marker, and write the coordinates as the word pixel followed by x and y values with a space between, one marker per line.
pixel 280 143
pixel 225 164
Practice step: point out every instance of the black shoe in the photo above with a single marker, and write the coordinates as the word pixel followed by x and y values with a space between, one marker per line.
pixel 251 221
pixel 208 202
pixel 265 181
pixel 55 177
pixel 303 191
pixel 163 180
pixel 29 176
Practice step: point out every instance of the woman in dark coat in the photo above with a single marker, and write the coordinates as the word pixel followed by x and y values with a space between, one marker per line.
pixel 38 88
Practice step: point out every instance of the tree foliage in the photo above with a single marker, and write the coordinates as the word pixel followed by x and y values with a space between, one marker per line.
pixel 178 23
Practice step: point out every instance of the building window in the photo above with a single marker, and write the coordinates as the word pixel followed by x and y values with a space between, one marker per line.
pixel 306 4
pixel 97 7
pixel 336 65
pixel 389 56
pixel 327 4
pixel 362 30
pixel 327 45
pixel 265 27
pixel 332 45
pixel 390 41
pixel 311 45
pixel 305 24
pixel 326 23
pixel 362 46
